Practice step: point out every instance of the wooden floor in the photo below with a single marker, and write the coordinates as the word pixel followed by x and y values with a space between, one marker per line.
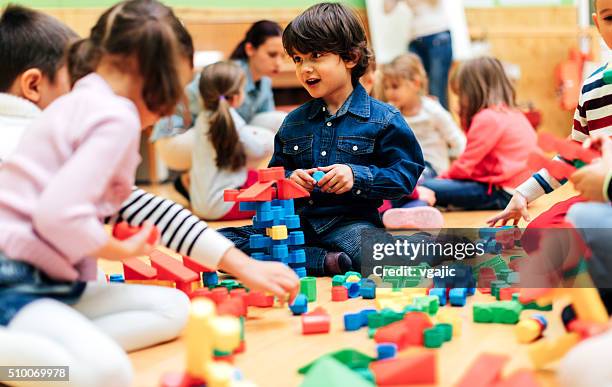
pixel 276 348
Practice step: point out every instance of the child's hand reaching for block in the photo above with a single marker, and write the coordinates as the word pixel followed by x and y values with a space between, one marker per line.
pixel 338 179
pixel 590 179
pixel 304 178
pixel 134 246
pixel 272 277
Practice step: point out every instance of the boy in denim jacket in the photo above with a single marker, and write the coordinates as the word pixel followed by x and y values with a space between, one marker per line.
pixel 365 147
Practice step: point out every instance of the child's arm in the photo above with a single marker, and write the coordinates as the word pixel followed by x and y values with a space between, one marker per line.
pixel 593 181
pixel 181 231
pixel 399 163
pixel 66 215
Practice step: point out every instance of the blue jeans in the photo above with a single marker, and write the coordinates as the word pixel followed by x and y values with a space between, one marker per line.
pixel 467 195
pixel 436 52
pixel 344 236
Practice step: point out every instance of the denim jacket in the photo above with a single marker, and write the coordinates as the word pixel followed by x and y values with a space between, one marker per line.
pixel 369 136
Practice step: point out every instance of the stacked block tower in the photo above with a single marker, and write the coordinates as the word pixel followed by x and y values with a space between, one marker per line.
pixel 272 200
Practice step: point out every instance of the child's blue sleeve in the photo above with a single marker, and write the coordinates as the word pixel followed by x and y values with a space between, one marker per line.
pixel 278 159
pixel 399 163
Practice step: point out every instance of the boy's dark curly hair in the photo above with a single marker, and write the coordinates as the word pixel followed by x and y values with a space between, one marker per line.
pixel 333 28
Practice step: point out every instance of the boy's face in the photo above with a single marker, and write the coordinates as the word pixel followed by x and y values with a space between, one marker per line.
pixel 323 74
pixel 603 20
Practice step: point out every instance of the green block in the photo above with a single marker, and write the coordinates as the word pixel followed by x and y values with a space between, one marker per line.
pixel 366 374
pixel 433 338
pixel 497 263
pixel 513 278
pixel 503 274
pixel 217 353
pixel 391 316
pixel 349 357
pixel 338 280
pixel 376 320
pixel 230 284
pixel 447 331
pixel 431 303
pixel 506 312
pixel 350 273
pixel 331 373
pixel 482 313
pixel 535 306
pixel 308 287
pixel 495 285
pixel 513 257
pixel 241 328
pixel 371 332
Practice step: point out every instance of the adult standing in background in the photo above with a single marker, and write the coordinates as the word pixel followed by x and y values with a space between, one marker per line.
pixel 431 41
pixel 260 54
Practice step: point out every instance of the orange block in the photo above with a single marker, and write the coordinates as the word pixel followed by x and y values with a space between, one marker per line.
pixel 258 192
pixel 288 189
pixel 416 369
pixel 271 174
pixel 521 378
pixel 485 371
pixel 135 269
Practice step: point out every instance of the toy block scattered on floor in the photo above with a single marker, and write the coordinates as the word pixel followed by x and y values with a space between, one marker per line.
pixel 352 321
pixel 331 373
pixel 546 351
pixel 260 300
pixel 484 371
pixel 501 312
pixel 135 269
pixel 171 269
pixel 530 329
pixel 457 296
pixel 317 321
pixel 123 231
pixel 449 316
pixel 420 368
pixel 339 293
pixel 404 333
pixel 386 351
pixel 205 332
pixel 299 305
pixel 308 287
pixel 351 358
pixel 521 378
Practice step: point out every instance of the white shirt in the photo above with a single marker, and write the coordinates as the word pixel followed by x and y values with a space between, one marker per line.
pixel 16 113
pixel 428 19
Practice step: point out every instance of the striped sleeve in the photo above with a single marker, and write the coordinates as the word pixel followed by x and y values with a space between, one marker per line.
pixel 180 230
pixel 539 184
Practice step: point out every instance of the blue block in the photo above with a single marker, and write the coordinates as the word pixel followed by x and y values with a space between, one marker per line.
pixel 352 321
pixel 457 296
pixel 299 305
pixel 261 225
pixel 258 256
pixel 471 291
pixel 258 241
pixel 278 212
pixel 263 206
pixel 116 278
pixel 296 238
pixel 386 351
pixel 280 242
pixel 493 247
pixel 292 221
pixel 364 316
pixel 440 293
pixel 247 206
pixel 288 206
pixel 300 271
pixel 297 256
pixel 368 289
pixel 280 252
pixel 210 279
pixel 318 175
pixel 264 216
pixel 354 289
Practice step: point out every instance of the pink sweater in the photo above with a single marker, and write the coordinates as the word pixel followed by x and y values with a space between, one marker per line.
pixel 499 142
pixel 74 166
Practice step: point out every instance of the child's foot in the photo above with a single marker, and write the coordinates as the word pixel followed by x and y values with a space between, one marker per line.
pixel 418 217
pixel 337 263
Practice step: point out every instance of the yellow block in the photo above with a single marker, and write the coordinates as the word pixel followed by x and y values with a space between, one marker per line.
pixel 168 284
pixel 198 337
pixel 353 278
pixel 545 352
pixel 527 330
pixel 226 330
pixel 449 316
pixel 219 374
pixel 588 306
pixel 277 232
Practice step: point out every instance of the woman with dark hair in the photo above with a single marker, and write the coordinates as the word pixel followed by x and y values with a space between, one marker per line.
pixel 260 55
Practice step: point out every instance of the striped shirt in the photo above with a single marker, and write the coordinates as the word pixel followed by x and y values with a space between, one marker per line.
pixel 592 116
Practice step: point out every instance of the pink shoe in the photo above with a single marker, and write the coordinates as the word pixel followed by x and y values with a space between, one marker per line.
pixel 418 217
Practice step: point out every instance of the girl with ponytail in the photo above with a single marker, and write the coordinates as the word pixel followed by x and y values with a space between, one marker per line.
pixel 224 146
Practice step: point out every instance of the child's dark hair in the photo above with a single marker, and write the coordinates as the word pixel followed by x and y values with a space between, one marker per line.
pixel 481 83
pixel 219 82
pixel 143 30
pixel 31 39
pixel 330 27
pixel 82 60
pixel 257 35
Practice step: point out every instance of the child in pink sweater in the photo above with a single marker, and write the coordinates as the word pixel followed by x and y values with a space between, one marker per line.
pixel 499 140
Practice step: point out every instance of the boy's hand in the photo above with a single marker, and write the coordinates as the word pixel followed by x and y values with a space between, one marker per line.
pixel 589 180
pixel 338 179
pixel 304 178
pixel 515 210
pixel 272 277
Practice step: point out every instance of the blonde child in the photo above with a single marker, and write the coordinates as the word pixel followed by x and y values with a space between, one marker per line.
pixel 405 87
pixel 73 168
pixel 499 141
pixel 224 146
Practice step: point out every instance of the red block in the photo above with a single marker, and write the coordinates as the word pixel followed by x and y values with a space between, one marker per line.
pixel 568 149
pixel 196 266
pixel 201 292
pixel 317 321
pixel 123 230
pixel 288 189
pixel 230 195
pixel 180 379
pixel 406 332
pixel 505 294
pixel 419 368
pixel 135 269
pixel 271 174
pixel 532 294
pixel 260 300
pixel 484 290
pixel 218 295
pixel 521 378
pixel 485 371
pixel 485 276
pixel 339 293
pixel 170 269
pixel 241 348
pixel 258 192
pixel 232 307
pixel 558 169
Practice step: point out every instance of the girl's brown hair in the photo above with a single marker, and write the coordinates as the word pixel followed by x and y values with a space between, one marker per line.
pixel 481 83
pixel 407 66
pixel 219 82
pixel 146 31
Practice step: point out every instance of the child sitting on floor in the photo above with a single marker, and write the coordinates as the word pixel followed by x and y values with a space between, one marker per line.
pixel 499 141
pixel 365 147
pixel 224 147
